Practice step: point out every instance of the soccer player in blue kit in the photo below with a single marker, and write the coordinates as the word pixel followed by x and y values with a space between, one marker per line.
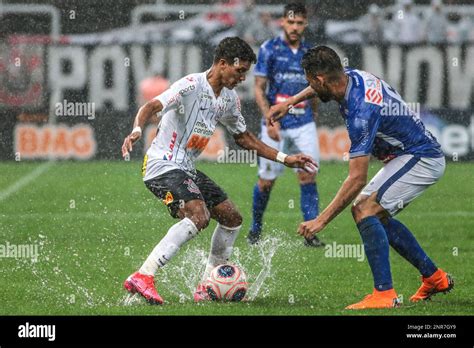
pixel 278 75
pixel 413 162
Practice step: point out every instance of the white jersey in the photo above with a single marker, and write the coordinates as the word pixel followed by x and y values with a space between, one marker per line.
pixel 190 114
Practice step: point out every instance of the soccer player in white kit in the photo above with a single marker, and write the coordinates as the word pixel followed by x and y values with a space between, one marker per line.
pixel 191 109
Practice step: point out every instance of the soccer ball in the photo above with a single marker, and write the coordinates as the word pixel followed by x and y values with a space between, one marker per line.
pixel 226 283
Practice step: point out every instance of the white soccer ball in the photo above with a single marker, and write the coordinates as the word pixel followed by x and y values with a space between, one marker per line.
pixel 227 283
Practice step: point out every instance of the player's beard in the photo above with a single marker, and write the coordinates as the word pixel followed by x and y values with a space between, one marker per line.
pixel 325 96
pixel 291 37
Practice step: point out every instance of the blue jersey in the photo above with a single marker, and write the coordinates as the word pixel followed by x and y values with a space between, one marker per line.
pixel 380 123
pixel 277 62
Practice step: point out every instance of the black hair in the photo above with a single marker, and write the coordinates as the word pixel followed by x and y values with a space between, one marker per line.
pixel 231 48
pixel 322 60
pixel 294 9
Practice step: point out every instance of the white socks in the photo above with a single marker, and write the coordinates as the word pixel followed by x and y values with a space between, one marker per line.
pixel 177 235
pixel 222 245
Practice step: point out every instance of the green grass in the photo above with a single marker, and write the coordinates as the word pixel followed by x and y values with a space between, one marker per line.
pixel 96 223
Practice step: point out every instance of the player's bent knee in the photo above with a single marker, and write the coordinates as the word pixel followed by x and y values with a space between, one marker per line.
pixel 235 219
pixel 198 213
pixel 201 220
pixel 227 214
pixel 365 206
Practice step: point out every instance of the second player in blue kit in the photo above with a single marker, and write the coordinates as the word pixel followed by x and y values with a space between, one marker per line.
pixel 279 75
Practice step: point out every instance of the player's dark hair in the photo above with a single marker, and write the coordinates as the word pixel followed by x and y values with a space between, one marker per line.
pixel 294 9
pixel 321 60
pixel 231 48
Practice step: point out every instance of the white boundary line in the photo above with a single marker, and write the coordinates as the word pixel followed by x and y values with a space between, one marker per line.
pixel 25 180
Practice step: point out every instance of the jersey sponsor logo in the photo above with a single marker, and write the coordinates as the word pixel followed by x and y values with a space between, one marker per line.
pixel 297 109
pixel 168 156
pixel 197 142
pixel 373 96
pixel 173 140
pixel 201 129
pixel 181 93
pixel 373 88
pixel 168 198
pixel 191 186
pixel 291 78
pixel 187 89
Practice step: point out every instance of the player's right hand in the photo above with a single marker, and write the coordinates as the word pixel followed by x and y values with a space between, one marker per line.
pixel 305 162
pixel 128 143
pixel 277 111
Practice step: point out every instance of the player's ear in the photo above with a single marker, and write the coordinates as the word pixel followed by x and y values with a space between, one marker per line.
pixel 222 63
pixel 320 79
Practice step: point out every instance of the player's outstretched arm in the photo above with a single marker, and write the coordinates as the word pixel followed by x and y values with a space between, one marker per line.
pixel 351 187
pixel 249 141
pixel 277 111
pixel 262 102
pixel 144 114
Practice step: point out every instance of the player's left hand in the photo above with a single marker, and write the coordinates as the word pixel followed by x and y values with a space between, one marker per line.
pixel 311 227
pixel 302 161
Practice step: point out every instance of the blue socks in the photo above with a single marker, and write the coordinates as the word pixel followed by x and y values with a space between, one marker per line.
pixel 377 251
pixel 260 201
pixel 309 201
pixel 403 241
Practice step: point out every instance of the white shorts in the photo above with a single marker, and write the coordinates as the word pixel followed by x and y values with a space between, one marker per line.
pixel 303 139
pixel 403 179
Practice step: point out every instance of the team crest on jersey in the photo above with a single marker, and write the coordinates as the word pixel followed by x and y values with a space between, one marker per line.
pixel 192 187
pixel 168 156
pixel 168 198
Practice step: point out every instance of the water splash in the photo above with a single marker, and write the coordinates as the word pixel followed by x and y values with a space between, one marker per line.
pixel 130 300
pixel 266 250
pixel 178 278
pixel 182 275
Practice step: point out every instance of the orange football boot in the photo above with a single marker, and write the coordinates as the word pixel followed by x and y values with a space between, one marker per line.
pixel 378 299
pixel 440 281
